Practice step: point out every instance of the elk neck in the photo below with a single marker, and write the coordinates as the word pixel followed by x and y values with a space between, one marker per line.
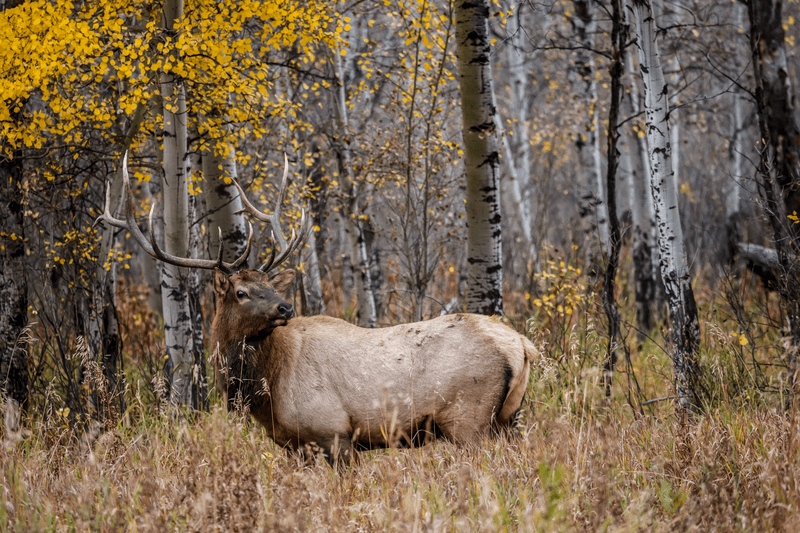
pixel 251 354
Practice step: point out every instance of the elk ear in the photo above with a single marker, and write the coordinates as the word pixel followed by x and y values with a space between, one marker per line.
pixel 220 282
pixel 283 281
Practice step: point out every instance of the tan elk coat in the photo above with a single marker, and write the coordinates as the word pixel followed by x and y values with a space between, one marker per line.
pixel 322 380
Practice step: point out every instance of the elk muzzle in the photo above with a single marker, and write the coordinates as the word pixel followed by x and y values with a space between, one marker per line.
pixel 285 310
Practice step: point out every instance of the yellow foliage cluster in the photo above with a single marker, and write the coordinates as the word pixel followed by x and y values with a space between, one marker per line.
pixel 419 77
pixel 563 290
pixel 74 245
pixel 93 63
pixel 75 74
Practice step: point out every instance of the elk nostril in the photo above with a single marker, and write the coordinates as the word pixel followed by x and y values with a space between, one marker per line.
pixel 285 310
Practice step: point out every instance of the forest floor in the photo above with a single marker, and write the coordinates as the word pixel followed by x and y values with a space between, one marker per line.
pixel 583 462
pixel 576 468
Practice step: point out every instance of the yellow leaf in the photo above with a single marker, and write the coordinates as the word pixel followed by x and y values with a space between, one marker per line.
pixel 743 340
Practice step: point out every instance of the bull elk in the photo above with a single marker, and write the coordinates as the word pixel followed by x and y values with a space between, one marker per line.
pixel 325 382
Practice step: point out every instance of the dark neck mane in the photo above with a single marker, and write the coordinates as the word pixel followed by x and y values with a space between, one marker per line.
pixel 245 363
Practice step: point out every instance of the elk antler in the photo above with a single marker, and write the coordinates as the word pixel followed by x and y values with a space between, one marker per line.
pixel 151 247
pixel 275 221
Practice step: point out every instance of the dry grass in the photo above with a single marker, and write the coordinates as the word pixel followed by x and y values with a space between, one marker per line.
pixel 579 466
pixel 583 462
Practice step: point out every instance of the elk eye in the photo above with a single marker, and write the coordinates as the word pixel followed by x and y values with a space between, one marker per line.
pixel 240 294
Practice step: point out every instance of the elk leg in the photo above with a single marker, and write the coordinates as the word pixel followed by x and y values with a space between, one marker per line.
pixel 510 427
pixel 460 431
pixel 338 451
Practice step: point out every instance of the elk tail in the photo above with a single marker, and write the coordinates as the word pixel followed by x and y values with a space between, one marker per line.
pixel 517 383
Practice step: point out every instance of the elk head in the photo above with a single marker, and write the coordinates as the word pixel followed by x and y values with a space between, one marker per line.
pixel 253 301
pixel 248 291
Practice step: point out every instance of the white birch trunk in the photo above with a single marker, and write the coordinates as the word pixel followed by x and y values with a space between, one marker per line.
pixel 315 299
pixel 645 251
pixel 595 206
pixel 177 317
pixel 517 158
pixel 198 389
pixel 517 184
pixel 148 265
pixel 359 258
pixel 673 263
pixel 484 291
pixel 648 214
pixel 367 310
pixel 670 16
pixel 222 203
pixel 313 302
pixel 675 144
pixel 733 195
pixel 519 270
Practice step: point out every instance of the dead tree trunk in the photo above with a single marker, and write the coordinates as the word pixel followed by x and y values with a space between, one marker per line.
pixel 618 40
pixel 778 164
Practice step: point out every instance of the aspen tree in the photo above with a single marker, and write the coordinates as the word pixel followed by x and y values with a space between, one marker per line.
pixel 636 185
pixel 618 43
pixel 669 14
pixel 484 292
pixel 13 294
pixel 174 187
pixel 223 202
pixel 673 262
pixel 594 203
pixel 737 147
pixel 645 236
pixel 351 216
pixel 515 138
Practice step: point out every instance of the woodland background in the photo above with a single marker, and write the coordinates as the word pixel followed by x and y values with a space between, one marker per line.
pixel 363 98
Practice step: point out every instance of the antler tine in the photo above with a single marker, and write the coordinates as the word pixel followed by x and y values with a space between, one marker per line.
pixel 275 221
pixel 271 259
pixel 130 220
pixel 279 202
pixel 130 212
pixel 228 268
pixel 106 216
pixel 294 242
pixel 151 247
pixel 220 250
